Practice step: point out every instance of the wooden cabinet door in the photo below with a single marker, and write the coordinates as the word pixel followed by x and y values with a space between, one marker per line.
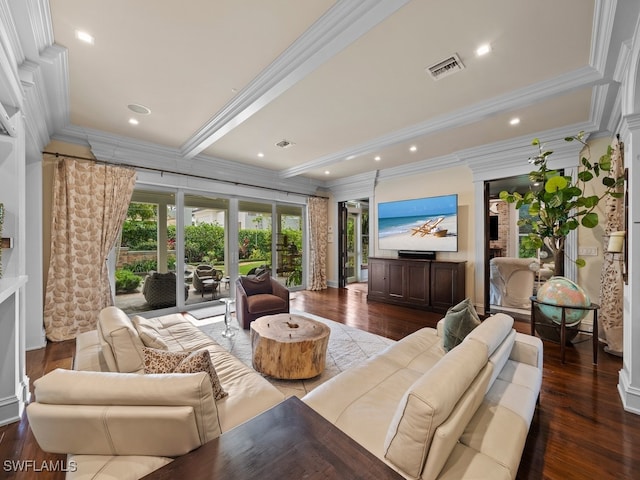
pixel 447 285
pixel 378 282
pixel 396 280
pixel 417 291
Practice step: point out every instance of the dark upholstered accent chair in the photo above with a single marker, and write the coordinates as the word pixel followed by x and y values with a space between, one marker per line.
pixel 204 272
pixel 259 296
pixel 159 290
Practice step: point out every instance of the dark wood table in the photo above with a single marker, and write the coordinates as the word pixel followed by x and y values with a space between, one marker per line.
pixel 291 440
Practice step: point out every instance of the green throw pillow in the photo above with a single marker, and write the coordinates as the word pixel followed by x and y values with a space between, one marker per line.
pixel 458 322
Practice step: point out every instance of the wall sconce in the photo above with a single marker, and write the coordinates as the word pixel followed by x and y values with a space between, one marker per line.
pixel 616 242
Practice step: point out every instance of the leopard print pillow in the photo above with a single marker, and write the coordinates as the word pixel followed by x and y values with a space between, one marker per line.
pixel 200 361
pixel 161 361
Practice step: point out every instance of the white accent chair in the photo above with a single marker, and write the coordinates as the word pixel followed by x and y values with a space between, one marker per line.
pixel 512 281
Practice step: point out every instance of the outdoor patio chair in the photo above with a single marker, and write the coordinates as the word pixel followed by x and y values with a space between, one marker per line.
pixel 159 290
pixel 206 272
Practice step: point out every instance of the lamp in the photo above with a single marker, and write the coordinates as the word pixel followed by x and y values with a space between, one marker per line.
pixel 616 241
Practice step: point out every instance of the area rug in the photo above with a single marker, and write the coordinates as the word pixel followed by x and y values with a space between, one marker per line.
pixel 207 312
pixel 347 347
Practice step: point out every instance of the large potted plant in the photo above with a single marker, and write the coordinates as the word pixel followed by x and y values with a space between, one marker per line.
pixel 560 204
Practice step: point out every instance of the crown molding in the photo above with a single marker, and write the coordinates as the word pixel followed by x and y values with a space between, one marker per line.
pixel 54 62
pixel 35 105
pixel 505 159
pixel 11 55
pixel 146 155
pixel 356 186
pixel 419 167
pixel 616 113
pixel 599 96
pixel 340 26
pixel 603 22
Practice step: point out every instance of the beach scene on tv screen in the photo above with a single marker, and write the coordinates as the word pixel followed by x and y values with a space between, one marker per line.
pixel 425 224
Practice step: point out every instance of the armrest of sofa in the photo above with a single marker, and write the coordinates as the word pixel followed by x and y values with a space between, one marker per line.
pixel 106 413
pixel 280 290
pixel 527 349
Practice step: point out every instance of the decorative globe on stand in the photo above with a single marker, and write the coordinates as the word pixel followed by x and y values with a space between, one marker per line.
pixel 561 291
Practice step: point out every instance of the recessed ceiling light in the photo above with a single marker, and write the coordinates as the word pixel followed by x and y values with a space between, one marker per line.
pixel 141 109
pixel 260 154
pixel 377 158
pixel 413 148
pixel 327 172
pixel 483 49
pixel 84 37
pixel 133 121
pixel 514 121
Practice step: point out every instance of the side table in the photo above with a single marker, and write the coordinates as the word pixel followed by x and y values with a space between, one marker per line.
pixel 229 331
pixel 563 326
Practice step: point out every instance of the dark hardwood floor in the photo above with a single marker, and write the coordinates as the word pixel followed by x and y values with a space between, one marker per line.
pixel 579 431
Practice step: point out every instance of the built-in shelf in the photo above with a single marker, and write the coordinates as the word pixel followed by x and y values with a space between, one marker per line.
pixel 10 285
pixel 7 242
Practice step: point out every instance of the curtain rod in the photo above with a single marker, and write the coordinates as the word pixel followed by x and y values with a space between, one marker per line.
pixel 162 171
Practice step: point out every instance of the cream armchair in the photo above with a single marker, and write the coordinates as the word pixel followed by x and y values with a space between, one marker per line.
pixel 511 281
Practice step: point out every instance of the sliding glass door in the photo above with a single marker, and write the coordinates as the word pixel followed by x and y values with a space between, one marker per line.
pixel 289 245
pixel 146 258
pixel 254 237
pixel 268 236
pixel 205 247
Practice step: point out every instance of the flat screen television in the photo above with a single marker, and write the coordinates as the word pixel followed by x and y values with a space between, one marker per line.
pixel 493 227
pixel 421 224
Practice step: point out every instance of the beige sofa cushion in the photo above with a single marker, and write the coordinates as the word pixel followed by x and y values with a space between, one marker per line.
pixel 89 353
pixel 249 394
pixel 361 400
pixel 428 403
pixel 148 334
pixel 492 331
pixel 107 413
pixel 447 435
pixel 121 345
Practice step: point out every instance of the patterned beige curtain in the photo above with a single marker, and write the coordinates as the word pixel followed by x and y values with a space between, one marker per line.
pixel 611 283
pixel 90 204
pixel 318 222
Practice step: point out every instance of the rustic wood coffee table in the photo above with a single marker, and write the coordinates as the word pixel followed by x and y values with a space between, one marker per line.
pixel 289 346
pixel 289 441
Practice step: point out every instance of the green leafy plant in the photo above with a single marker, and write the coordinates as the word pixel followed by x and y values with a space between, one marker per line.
pixel 295 277
pixel 142 266
pixel 126 281
pixel 561 205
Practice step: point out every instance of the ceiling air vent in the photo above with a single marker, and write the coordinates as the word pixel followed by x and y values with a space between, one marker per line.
pixel 284 144
pixel 445 67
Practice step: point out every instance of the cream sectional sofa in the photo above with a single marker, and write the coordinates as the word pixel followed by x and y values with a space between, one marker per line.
pixel 435 415
pixel 115 422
